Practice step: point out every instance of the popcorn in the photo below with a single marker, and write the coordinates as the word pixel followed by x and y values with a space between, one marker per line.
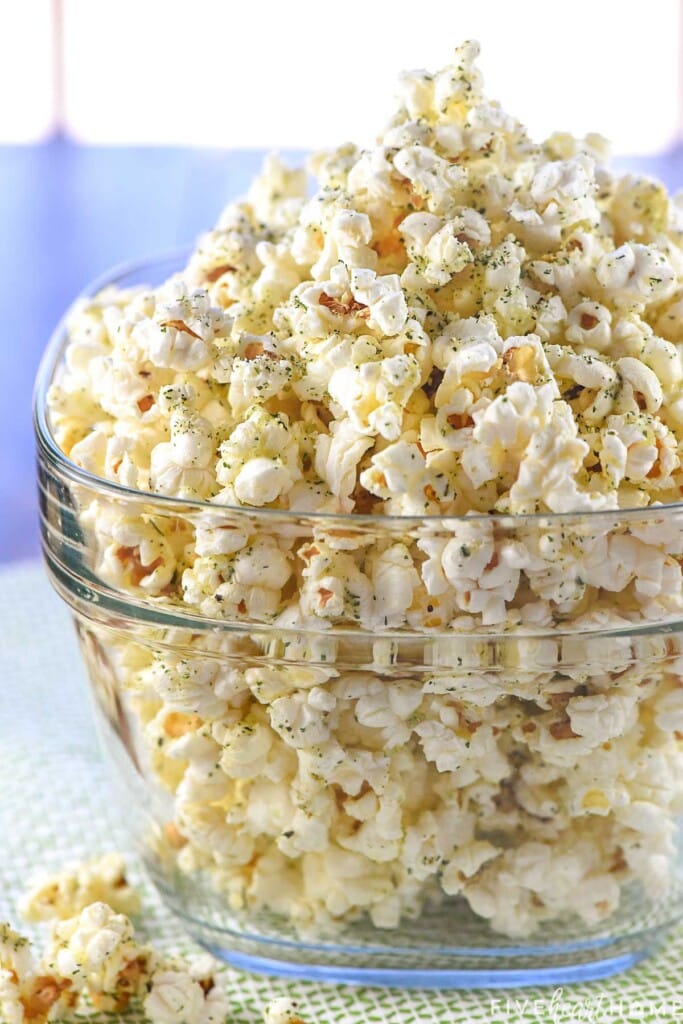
pixel 547 471
pixel 179 335
pixel 635 275
pixel 561 197
pixel 190 685
pixel 246 745
pixel 180 466
pixel 93 949
pixel 643 381
pixel 504 427
pixel 299 721
pixel 375 395
pixel 259 460
pixel 465 333
pixel 350 299
pixel 333 587
pixel 182 993
pixel 431 177
pixel 283 1011
pixel 589 323
pixel 134 553
pixel 441 249
pixel 394 578
pixel 400 472
pixel 67 893
pixel 337 456
pixel 16 957
pixel 600 717
pixel 108 971
pixel 11 1004
pixel 29 992
pixel 257 378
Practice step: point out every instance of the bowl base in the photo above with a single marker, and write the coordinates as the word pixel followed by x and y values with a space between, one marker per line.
pixel 483 977
pixel 445 949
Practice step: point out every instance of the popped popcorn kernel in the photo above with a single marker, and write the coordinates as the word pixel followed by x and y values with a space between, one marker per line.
pixel 67 892
pixel 282 1011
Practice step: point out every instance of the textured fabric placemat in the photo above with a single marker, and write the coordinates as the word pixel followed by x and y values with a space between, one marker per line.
pixel 55 806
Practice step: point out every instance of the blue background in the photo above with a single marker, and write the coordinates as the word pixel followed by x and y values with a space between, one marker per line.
pixel 67 213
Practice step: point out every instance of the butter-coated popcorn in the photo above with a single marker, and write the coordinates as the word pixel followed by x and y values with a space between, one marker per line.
pixel 457 322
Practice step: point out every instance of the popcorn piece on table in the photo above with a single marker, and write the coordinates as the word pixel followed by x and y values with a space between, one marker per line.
pixel 67 892
pixel 283 1011
pixel 94 964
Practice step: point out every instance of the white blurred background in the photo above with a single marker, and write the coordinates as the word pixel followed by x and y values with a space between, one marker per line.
pixel 300 74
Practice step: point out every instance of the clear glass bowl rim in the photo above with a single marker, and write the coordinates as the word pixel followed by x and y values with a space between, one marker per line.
pixel 174 258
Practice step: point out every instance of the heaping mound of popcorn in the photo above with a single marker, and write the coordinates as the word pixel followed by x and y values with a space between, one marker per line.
pixel 459 321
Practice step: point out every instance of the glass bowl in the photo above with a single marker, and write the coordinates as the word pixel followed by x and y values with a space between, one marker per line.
pixel 487 796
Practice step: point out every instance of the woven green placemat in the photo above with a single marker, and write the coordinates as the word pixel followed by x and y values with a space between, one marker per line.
pixel 54 807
